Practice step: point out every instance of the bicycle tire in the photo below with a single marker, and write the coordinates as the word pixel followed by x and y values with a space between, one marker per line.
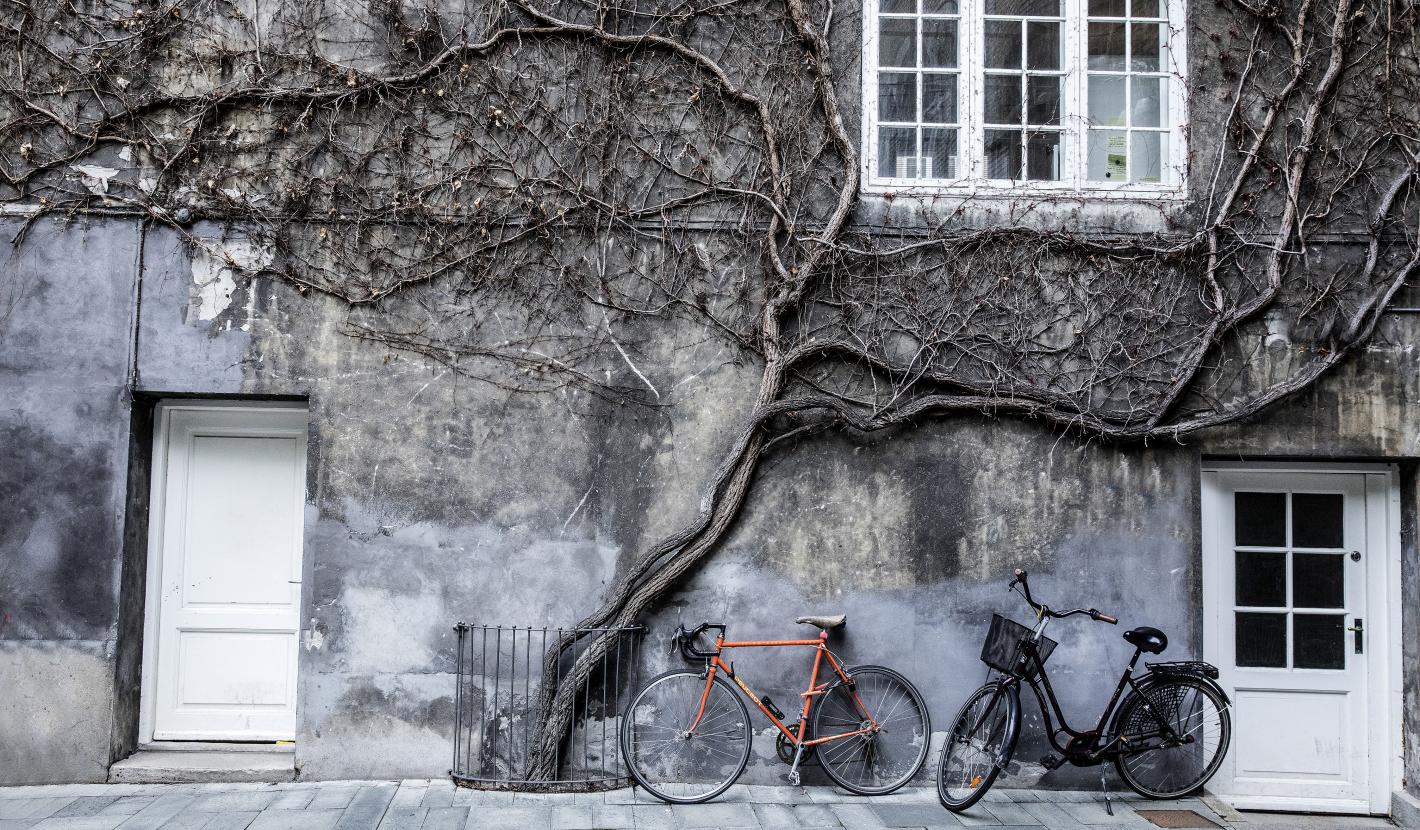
pixel 1169 696
pixel 1004 729
pixel 892 756
pixel 676 695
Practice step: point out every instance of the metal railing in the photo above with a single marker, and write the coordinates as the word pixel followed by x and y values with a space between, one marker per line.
pixel 499 674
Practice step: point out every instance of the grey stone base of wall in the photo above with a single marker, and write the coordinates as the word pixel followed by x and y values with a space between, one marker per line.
pixel 1404 809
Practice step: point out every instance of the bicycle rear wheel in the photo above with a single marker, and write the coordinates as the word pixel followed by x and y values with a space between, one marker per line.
pixel 673 762
pixel 879 762
pixel 1161 765
pixel 979 744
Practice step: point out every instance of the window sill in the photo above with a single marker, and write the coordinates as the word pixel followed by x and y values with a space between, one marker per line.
pixel 1035 191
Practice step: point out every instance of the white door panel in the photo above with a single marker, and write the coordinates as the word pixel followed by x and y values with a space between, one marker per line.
pixel 229 571
pixel 1292 571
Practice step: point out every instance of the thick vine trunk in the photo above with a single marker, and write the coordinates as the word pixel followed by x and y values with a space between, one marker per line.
pixel 646 582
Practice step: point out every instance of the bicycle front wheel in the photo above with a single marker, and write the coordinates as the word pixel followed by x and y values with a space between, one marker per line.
pixel 679 752
pixel 875 762
pixel 1176 733
pixel 980 743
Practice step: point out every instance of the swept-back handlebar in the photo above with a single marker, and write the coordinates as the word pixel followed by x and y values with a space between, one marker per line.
pixel 1022 579
pixel 685 641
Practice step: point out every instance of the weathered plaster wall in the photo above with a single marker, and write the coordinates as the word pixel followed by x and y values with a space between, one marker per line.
pixel 435 498
pixel 65 318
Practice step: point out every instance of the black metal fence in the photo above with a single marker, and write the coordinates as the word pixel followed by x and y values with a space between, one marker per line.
pixel 500 672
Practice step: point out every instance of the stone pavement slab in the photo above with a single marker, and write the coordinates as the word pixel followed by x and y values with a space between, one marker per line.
pixel 437 805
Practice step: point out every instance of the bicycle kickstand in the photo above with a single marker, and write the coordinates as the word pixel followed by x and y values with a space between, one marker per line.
pixel 1104 785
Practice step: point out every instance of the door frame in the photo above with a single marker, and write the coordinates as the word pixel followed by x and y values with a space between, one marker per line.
pixel 157 515
pixel 1385 683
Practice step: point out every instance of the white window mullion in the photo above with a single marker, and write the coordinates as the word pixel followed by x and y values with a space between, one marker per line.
pixel 976 80
pixel 1071 121
pixel 1178 90
pixel 869 110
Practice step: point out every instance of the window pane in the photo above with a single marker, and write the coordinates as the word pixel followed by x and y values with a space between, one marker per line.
pixel 897 42
pixel 1150 105
pixel 1003 154
pixel 1261 579
pixel 939 43
pixel 1003 99
pixel 1107 46
pixel 1043 156
pixel 939 6
pixel 1316 520
pixel 1319 580
pixel 1042 45
pixel 896 143
pixel 1144 8
pixel 1321 641
pixel 1261 640
pixel 1261 519
pixel 1106 101
pixel 1147 152
pixel 1147 42
pixel 941 147
pixel 897 6
pixel 1003 44
pixel 939 98
pixel 1043 99
pixel 1039 8
pixel 1106 8
pixel 897 96
pixel 1108 156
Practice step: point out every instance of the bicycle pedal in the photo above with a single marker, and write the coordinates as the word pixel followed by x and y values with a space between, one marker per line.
pixel 1052 762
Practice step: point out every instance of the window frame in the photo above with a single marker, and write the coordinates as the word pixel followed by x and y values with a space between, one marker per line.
pixel 1074 127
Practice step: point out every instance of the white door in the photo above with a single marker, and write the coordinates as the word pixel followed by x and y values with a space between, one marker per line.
pixel 226 528
pixel 1295 591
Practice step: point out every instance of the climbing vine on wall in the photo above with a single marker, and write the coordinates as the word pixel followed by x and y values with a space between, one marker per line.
pixel 589 168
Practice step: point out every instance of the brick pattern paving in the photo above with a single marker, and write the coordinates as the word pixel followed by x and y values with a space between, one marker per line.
pixel 438 805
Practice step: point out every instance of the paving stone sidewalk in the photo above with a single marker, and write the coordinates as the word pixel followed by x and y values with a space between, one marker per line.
pixel 438 805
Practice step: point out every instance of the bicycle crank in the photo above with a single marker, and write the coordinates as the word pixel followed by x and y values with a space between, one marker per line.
pixel 784 748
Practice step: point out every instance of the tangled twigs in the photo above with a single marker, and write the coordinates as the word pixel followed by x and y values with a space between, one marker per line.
pixel 533 194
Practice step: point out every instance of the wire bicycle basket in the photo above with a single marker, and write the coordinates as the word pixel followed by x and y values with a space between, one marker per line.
pixel 1003 649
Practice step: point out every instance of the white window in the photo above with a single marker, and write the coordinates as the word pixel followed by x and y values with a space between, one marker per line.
pixel 1051 95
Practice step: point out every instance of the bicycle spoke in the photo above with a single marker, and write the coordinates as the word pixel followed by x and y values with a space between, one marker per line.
pixel 878 760
pixel 975 744
pixel 669 757
pixel 1181 737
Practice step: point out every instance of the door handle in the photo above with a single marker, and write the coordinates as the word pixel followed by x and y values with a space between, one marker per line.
pixel 1358 630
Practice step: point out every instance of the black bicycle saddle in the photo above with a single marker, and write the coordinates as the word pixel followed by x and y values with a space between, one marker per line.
pixel 1147 638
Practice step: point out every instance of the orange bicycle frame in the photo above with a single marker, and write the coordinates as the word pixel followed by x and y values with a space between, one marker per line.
pixel 715 664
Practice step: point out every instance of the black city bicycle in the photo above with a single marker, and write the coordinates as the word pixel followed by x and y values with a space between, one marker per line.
pixel 1166 736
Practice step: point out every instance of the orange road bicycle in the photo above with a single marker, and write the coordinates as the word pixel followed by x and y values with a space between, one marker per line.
pixel 686 735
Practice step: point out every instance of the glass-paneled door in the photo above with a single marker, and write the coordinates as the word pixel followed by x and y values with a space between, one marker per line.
pixel 1290 561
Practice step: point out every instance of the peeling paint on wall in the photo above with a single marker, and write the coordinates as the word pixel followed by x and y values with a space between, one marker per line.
pixel 216 266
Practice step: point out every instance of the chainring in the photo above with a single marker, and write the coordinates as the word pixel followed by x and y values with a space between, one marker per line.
pixel 785 748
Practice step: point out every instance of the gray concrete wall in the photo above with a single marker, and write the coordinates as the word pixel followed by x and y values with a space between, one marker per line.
pixel 434 498
pixel 65 321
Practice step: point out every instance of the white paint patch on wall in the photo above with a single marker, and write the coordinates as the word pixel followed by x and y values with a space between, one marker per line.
pixel 215 266
pixel 384 630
